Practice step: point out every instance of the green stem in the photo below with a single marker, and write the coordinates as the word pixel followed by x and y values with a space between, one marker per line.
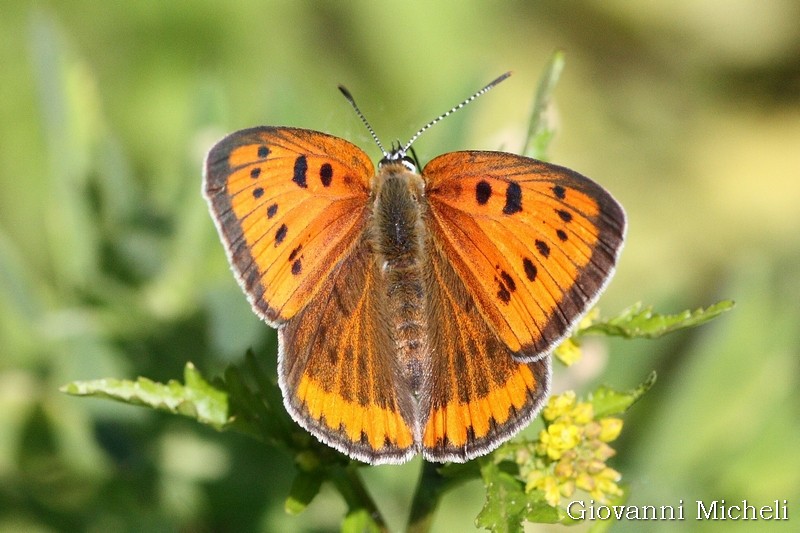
pixel 429 491
pixel 349 484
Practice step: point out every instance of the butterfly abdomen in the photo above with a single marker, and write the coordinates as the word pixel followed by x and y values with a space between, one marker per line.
pixel 398 234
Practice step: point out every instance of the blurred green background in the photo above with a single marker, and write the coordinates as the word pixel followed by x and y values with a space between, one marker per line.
pixel 689 112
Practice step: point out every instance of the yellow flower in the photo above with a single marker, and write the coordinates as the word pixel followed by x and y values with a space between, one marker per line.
pixel 571 452
pixel 603 451
pixel 592 430
pixel 582 413
pixel 606 484
pixel 567 488
pixel 551 491
pixel 558 405
pixel 610 428
pixel 568 352
pixel 585 482
pixel 534 480
pixel 559 437
pixel 588 319
pixel 565 468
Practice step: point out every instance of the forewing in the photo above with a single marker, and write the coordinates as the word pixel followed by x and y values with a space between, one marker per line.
pixel 534 243
pixel 288 204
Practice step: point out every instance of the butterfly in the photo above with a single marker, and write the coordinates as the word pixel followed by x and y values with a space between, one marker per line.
pixel 415 311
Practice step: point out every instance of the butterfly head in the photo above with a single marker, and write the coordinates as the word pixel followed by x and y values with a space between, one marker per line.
pixel 398 155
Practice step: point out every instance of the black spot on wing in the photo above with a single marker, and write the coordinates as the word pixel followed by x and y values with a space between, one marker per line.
pixel 483 191
pixel 280 234
pixel 530 269
pixel 300 170
pixel 513 198
pixel 297 267
pixel 506 285
pixel 508 280
pixel 503 294
pixel 326 174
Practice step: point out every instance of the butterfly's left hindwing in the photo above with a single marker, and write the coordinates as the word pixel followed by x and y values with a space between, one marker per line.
pixel 534 242
pixel 288 204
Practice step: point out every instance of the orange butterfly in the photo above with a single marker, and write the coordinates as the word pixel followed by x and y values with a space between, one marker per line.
pixel 415 312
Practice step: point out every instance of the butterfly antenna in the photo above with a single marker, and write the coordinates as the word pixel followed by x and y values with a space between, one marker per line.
pixel 415 158
pixel 352 101
pixel 447 113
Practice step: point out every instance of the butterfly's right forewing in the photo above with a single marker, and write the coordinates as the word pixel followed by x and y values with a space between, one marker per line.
pixel 535 243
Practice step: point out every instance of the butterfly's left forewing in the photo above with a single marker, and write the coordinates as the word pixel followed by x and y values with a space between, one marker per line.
pixel 535 243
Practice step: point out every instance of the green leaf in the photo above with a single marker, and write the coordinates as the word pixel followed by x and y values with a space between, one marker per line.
pixel 195 398
pixel 305 488
pixel 71 126
pixel 253 406
pixel 360 521
pixel 608 402
pixel 540 129
pixel 461 471
pixel 636 322
pixel 508 505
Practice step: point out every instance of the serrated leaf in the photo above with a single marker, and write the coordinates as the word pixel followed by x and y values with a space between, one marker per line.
pixel 505 503
pixel 250 413
pixel 636 322
pixel 607 402
pixel 195 398
pixel 508 506
pixel 305 487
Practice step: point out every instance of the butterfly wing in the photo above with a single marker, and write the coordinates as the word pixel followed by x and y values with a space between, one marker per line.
pixel 288 203
pixel 339 370
pixel 478 395
pixel 535 243
pixel 291 206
